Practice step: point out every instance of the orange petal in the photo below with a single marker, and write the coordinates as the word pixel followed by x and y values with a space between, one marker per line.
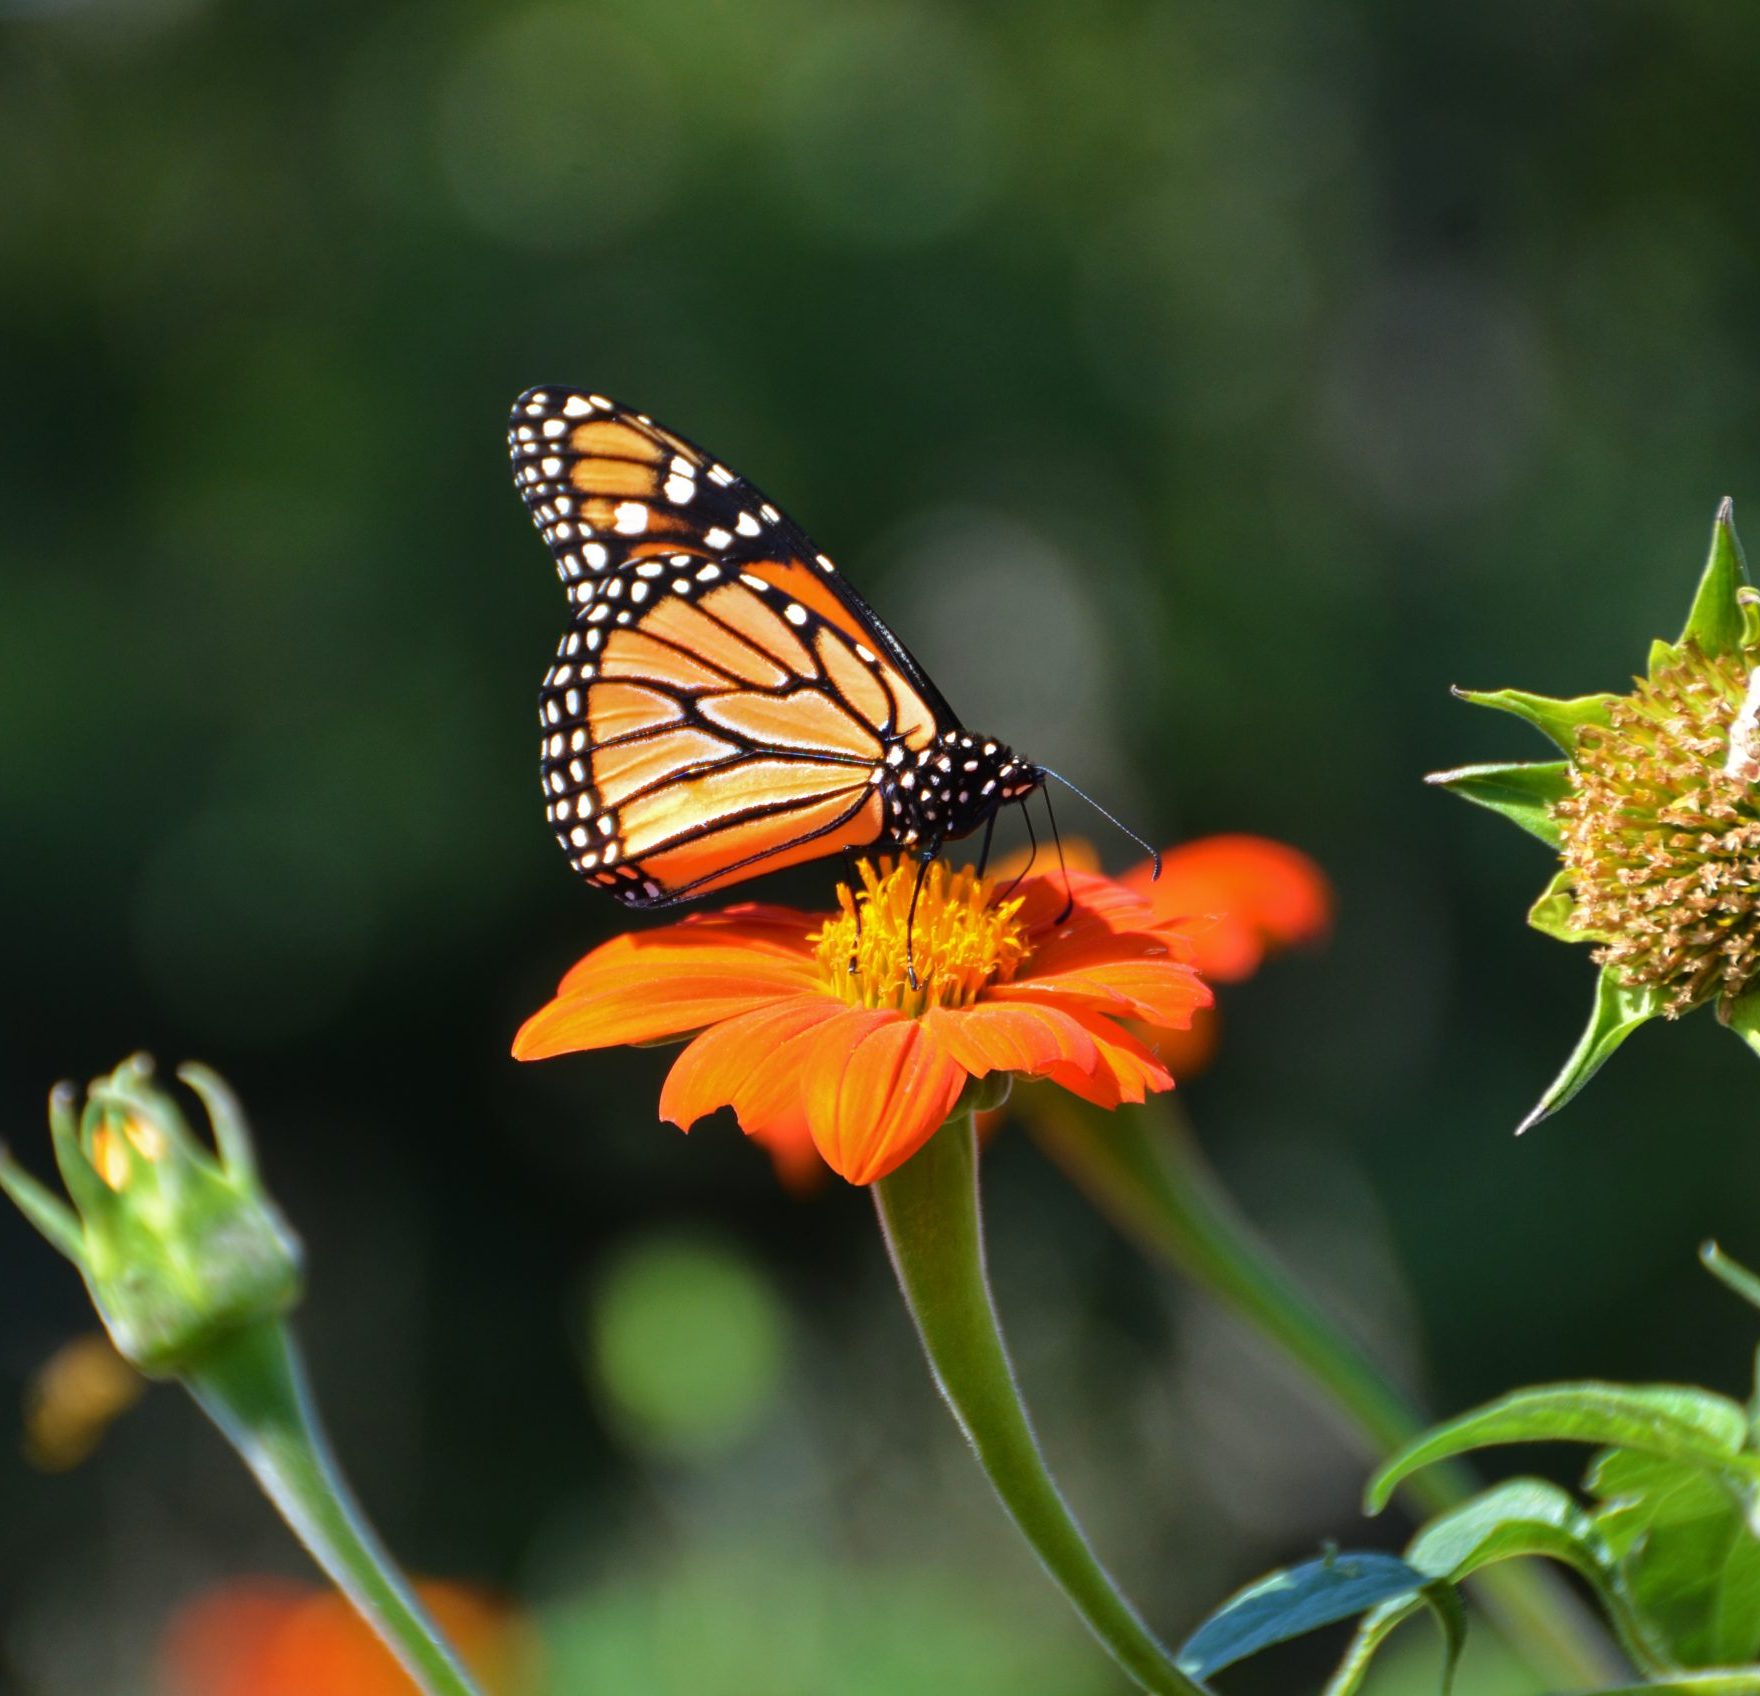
pixel 1002 1037
pixel 878 1086
pixel 1090 902
pixel 1124 1070
pixel 1259 894
pixel 653 985
pixel 752 1064
pixel 747 931
pixel 1156 989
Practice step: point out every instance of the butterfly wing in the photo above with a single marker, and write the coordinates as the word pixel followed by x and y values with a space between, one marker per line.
pixel 722 703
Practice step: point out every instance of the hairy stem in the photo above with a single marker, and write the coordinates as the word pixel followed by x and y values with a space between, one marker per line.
pixel 930 1216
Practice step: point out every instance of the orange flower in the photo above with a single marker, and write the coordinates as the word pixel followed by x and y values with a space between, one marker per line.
pixel 1245 897
pixel 269 1637
pixel 810 1028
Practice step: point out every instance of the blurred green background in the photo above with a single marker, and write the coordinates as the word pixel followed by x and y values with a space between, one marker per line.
pixel 1200 388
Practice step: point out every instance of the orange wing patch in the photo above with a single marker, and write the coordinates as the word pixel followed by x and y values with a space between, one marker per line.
pixel 675 620
pixel 806 719
pixel 854 681
pixel 635 655
pixel 779 839
pixel 736 605
pixel 627 709
pixel 696 805
pixel 629 768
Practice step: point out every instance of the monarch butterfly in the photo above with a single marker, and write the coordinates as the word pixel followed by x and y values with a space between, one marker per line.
pixel 723 703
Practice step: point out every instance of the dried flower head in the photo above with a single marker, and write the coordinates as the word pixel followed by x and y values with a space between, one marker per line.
pixel 1661 832
pixel 1655 814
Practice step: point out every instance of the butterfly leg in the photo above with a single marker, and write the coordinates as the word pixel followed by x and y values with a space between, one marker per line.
pixel 1032 855
pixel 924 860
pixel 984 852
pixel 854 881
pixel 1069 898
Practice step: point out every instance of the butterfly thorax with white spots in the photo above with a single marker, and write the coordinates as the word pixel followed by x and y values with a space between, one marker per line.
pixel 948 789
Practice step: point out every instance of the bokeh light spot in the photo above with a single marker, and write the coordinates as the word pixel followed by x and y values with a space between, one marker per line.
pixel 687 1343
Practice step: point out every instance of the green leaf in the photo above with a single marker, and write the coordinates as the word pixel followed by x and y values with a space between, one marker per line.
pixel 1296 1600
pixel 1523 792
pixel 1559 720
pixel 1380 1623
pixel 1618 1011
pixel 1551 914
pixel 1674 1421
pixel 1687 1558
pixel 1526 1516
pixel 1523 1517
pixel 1715 621
pixel 1730 1272
pixel 1725 1681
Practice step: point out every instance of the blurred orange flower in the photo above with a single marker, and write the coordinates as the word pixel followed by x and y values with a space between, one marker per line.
pixel 1237 899
pixel 811 1028
pixel 1244 897
pixel 268 1637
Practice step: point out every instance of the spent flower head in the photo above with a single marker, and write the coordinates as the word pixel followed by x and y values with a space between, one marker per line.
pixel 1654 811
pixel 177 1242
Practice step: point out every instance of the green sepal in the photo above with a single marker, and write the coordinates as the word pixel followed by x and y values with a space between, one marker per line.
pixel 1673 1421
pixel 1524 792
pixel 1743 1018
pixel 1716 620
pixel 57 1222
pixel 1560 720
pixel 1295 1600
pixel 1618 1011
pixel 1551 914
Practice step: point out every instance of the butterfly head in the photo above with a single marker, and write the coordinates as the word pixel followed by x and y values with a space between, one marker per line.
pixel 951 787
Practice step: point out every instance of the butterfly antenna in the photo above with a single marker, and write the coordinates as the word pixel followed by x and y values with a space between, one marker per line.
pixel 1069 896
pixel 1118 823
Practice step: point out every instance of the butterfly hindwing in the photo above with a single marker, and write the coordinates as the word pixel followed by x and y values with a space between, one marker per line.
pixel 722 704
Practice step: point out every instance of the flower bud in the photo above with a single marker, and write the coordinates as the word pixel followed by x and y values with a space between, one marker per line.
pixel 177 1243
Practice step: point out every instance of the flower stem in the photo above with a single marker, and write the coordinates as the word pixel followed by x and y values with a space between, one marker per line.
pixel 930 1217
pixel 1143 1168
pixel 253 1386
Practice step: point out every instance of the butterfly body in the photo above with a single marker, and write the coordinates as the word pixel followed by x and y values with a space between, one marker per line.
pixel 722 703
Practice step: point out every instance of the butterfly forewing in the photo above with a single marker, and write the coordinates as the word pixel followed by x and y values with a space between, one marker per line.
pixel 722 703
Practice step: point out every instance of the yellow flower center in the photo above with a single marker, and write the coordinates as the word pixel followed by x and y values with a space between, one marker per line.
pixel 1662 832
pixel 958 941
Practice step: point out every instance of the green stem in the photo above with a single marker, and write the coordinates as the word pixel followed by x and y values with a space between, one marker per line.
pixel 1143 1168
pixel 253 1387
pixel 930 1217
